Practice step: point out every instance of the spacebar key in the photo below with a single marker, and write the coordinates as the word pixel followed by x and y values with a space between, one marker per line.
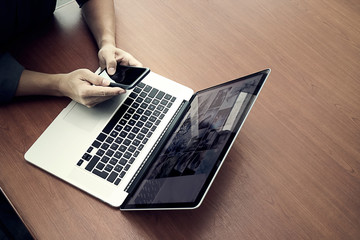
pixel 115 119
pixel 92 163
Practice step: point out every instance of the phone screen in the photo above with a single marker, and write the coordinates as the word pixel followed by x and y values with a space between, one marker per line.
pixel 127 76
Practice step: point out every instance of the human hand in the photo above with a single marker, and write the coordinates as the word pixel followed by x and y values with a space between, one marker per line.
pixel 87 88
pixel 109 56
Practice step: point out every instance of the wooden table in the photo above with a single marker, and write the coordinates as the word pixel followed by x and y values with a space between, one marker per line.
pixel 293 172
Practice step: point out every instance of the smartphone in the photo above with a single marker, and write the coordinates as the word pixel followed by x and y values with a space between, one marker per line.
pixel 126 77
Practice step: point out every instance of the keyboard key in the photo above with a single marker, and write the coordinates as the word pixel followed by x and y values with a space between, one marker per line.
pixel 89 149
pixel 147 113
pixel 143 118
pixel 113 161
pixel 156 113
pixel 127 116
pixel 123 161
pixel 127 155
pixel 167 97
pixel 100 166
pixel 140 136
pixel 109 168
pixel 144 105
pixel 123 134
pixel 110 153
pixel 141 85
pixel 153 92
pixel 105 146
pixel 92 163
pixel 118 154
pixel 147 88
pixel 109 140
pixel 86 157
pixel 139 100
pixel 136 116
pixel 127 142
pixel 160 107
pixel 122 148
pixel 118 168
pixel 101 137
pixel 144 130
pixel 100 152
pixel 128 101
pixel 102 174
pixel 164 102
pixel 117 181
pixel 114 134
pixel 139 124
pixel 118 140
pixel 131 136
pixel 134 95
pixel 112 177
pixel 136 142
pixel 135 130
pixel 156 102
pixel 131 149
pixel 137 89
pixel 96 144
pixel 160 95
pixel 105 159
pixel 122 174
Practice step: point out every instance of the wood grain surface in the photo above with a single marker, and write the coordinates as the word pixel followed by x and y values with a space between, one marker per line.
pixel 293 171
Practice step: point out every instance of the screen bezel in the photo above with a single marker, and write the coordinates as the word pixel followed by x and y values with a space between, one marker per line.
pixel 201 195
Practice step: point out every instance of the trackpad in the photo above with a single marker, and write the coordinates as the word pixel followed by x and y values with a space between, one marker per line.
pixel 87 118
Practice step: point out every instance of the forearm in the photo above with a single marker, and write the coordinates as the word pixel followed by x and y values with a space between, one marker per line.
pixel 100 17
pixel 36 83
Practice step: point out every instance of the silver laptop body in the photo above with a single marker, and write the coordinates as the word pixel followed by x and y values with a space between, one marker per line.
pixel 173 161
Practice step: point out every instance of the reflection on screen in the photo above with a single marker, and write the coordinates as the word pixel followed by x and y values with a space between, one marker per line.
pixel 190 155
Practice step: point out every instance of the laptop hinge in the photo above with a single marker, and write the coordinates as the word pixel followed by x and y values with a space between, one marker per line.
pixel 166 134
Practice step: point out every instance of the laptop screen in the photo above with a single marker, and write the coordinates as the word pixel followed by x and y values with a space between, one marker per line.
pixel 185 167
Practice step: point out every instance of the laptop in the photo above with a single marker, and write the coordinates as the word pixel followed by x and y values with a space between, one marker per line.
pixel 158 146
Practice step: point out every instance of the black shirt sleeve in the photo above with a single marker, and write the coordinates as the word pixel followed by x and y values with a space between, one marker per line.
pixel 10 71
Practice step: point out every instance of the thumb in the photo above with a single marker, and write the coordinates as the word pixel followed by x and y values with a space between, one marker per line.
pixel 111 66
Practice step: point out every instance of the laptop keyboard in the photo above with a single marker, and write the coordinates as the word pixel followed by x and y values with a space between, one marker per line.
pixel 121 141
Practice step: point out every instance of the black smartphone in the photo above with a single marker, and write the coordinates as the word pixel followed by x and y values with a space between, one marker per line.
pixel 126 77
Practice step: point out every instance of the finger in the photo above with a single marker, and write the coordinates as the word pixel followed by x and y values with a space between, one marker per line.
pixel 111 66
pixel 93 101
pixel 126 58
pixel 110 62
pixel 95 79
pixel 134 62
pixel 102 61
pixel 99 91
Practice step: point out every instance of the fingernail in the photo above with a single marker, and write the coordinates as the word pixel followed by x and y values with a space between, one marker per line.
pixel 121 91
pixel 111 70
pixel 105 82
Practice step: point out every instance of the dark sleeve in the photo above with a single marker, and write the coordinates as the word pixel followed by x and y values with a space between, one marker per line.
pixel 10 72
pixel 81 2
